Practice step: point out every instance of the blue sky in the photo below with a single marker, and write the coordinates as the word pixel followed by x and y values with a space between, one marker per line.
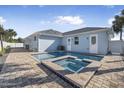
pixel 28 19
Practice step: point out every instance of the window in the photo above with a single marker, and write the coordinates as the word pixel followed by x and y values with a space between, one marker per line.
pixel 93 40
pixel 76 40
pixel 35 38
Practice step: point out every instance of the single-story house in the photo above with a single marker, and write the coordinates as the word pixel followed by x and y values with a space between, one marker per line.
pixel 86 40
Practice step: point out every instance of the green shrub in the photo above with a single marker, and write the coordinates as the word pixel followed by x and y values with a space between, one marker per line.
pixel 1 53
pixel 5 50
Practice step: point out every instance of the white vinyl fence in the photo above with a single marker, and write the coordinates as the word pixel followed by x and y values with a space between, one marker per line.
pixel 12 45
pixel 117 46
pixel 16 45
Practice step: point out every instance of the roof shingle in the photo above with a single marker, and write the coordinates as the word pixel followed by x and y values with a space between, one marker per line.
pixel 51 32
pixel 86 29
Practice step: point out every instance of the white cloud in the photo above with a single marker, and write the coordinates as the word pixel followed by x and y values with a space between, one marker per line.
pixel 73 20
pixel 2 20
pixel 110 21
pixel 118 13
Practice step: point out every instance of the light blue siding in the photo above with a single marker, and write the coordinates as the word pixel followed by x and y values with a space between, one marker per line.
pixel 84 42
pixel 50 43
pixel 102 42
pixel 33 45
pixel 83 45
pixel 64 42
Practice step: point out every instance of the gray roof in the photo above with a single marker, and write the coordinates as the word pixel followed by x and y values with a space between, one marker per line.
pixel 49 32
pixel 86 29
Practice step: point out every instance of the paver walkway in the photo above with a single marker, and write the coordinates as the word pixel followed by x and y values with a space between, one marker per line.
pixel 110 74
pixel 20 70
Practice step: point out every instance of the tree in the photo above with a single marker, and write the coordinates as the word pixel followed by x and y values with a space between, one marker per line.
pixel 118 24
pixel 2 32
pixel 14 33
pixel 10 34
pixel 20 40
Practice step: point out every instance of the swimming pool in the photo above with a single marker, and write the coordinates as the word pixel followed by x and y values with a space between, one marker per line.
pixel 44 56
pixel 72 65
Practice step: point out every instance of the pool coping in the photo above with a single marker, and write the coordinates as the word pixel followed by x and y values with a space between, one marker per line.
pixel 89 54
pixel 80 79
pixel 71 78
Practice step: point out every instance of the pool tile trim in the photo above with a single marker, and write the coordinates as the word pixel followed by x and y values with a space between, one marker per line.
pixel 74 78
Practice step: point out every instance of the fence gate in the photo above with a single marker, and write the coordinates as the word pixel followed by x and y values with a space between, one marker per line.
pixel 117 47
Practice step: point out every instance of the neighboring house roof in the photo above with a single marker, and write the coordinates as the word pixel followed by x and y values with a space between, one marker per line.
pixel 86 29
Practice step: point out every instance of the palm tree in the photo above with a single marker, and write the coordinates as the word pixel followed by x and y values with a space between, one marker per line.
pixel 14 34
pixel 118 27
pixel 10 34
pixel 118 24
pixel 1 36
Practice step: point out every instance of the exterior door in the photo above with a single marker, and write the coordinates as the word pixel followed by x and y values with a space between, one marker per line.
pixel 45 44
pixel 69 44
pixel 93 43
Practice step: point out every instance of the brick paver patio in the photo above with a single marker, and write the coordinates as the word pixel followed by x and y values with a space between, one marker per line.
pixel 110 74
pixel 20 70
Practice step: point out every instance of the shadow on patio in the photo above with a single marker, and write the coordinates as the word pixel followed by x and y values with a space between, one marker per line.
pixel 10 79
pixel 14 67
pixel 114 61
pixel 110 70
pixel 88 69
pixel 15 50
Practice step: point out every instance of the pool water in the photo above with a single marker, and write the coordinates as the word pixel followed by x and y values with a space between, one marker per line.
pixel 44 56
pixel 72 65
